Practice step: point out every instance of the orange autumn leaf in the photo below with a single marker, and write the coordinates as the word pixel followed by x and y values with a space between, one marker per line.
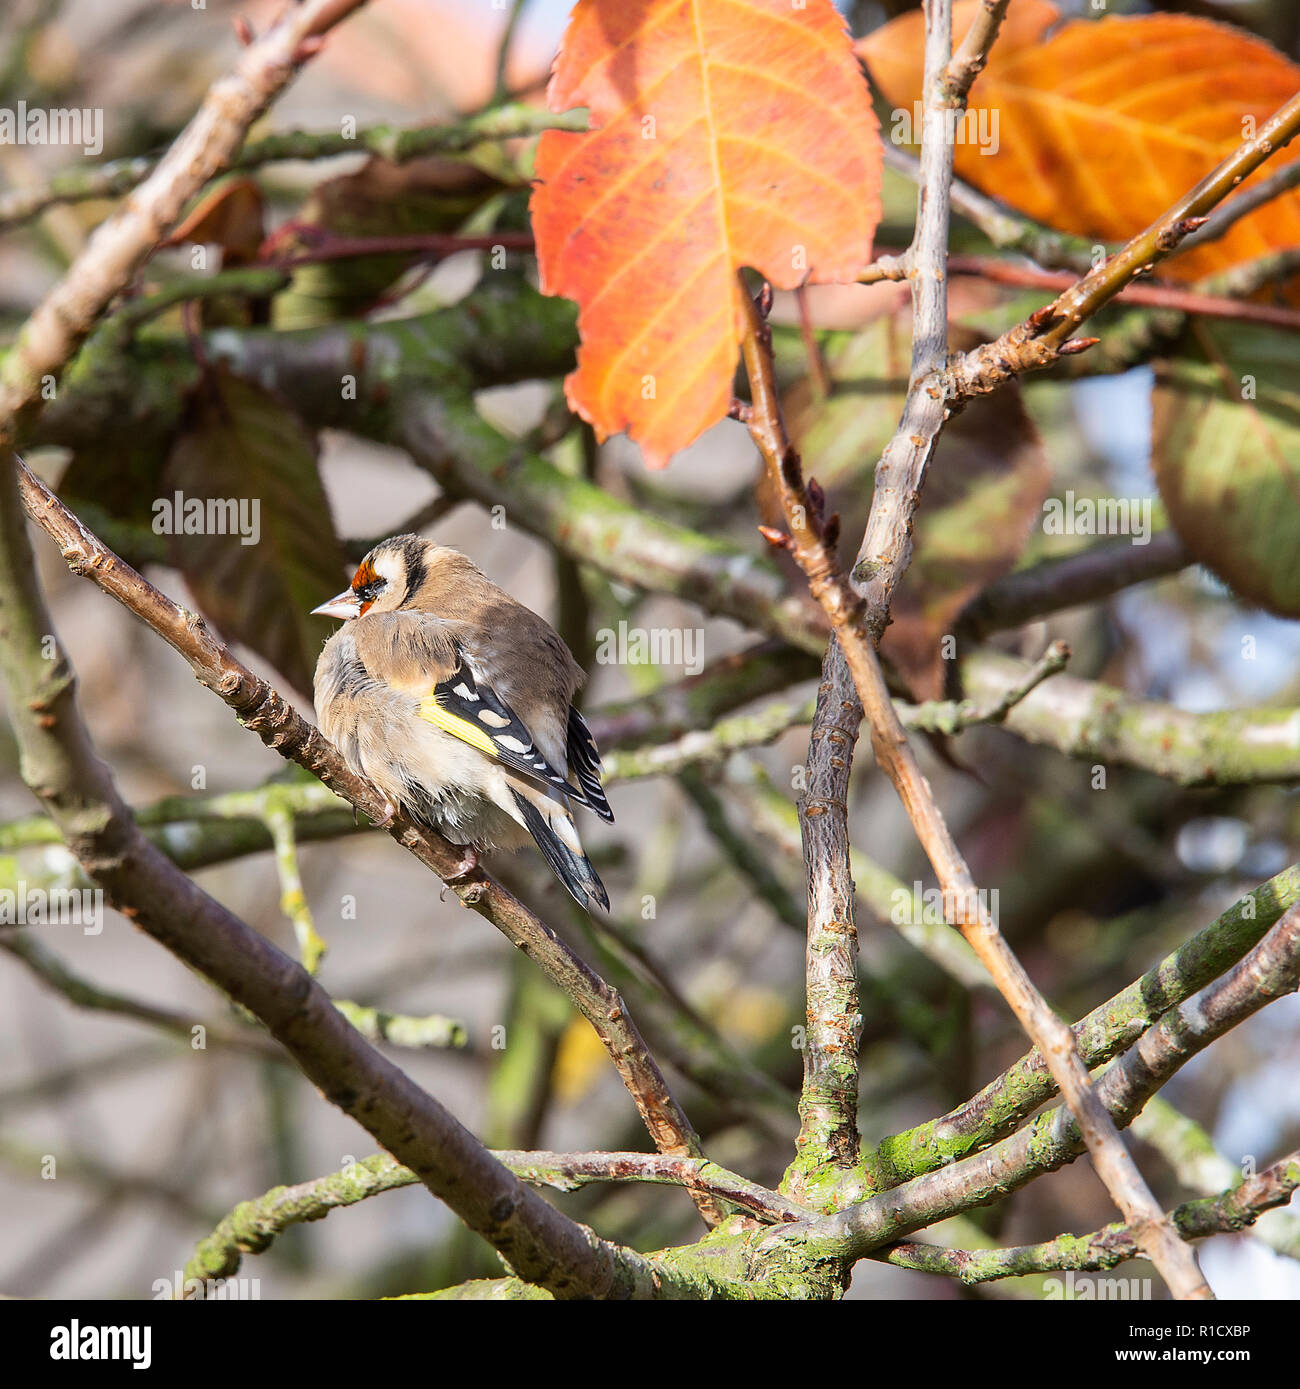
pixel 1102 125
pixel 724 133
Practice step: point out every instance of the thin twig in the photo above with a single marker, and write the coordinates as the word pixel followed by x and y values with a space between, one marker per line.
pixel 293 900
pixel 1187 300
pixel 394 143
pixel 81 993
pixel 1242 204
pixel 950 716
pixel 252 1226
pixel 502 87
pixel 1007 230
pixel 972 54
pixel 110 260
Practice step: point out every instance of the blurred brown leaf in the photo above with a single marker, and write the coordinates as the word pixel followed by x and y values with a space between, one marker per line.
pixel 241 444
pixel 984 492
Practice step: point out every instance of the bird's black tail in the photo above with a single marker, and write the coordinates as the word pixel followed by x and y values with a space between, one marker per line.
pixel 574 870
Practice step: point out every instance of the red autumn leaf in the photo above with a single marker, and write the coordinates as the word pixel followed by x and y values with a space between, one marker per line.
pixel 725 133
pixel 1102 125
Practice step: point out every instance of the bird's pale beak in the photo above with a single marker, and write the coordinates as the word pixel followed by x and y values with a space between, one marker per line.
pixel 345 605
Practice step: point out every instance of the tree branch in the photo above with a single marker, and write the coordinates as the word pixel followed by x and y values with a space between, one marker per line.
pixel 1229 1213
pixel 252 1226
pixel 395 143
pixel 1270 970
pixel 264 712
pixel 61 766
pixel 813 548
pixel 1100 1036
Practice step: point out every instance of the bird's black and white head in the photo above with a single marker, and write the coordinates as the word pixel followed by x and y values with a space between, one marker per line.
pixel 388 578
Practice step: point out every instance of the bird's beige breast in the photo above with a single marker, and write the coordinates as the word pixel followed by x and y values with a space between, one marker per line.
pixel 433 775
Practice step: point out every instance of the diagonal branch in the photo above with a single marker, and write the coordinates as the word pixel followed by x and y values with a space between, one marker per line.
pixel 263 711
pixel 61 766
pixel 811 541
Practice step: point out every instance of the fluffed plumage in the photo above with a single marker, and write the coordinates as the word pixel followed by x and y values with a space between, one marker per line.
pixel 457 702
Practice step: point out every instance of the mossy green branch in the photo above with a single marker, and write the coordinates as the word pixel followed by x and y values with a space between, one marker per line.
pixel 392 142
pixel 1110 1028
pixel 1228 1213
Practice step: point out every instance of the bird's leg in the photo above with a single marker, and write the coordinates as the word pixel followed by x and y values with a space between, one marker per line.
pixel 390 813
pixel 467 865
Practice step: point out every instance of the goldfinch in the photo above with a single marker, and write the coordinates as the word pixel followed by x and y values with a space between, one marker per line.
pixel 456 701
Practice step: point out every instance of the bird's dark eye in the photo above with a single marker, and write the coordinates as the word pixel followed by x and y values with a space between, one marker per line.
pixel 367 585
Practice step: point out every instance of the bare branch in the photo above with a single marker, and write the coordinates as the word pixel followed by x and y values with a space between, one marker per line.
pixel 263 711
pixel 61 766
pixel 972 55
pixel 1055 584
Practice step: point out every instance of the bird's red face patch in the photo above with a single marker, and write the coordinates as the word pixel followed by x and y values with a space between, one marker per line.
pixel 366 585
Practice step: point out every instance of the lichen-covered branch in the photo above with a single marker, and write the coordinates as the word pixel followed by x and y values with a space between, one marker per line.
pixel 1269 971
pixel 828 1104
pixel 1105 1032
pixel 1234 1210
pixel 1198 1164
pixel 1099 723
pixel 252 1226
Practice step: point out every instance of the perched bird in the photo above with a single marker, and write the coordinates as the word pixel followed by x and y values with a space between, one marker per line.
pixel 456 701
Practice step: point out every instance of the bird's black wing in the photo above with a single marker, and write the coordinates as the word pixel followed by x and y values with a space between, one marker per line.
pixel 585 764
